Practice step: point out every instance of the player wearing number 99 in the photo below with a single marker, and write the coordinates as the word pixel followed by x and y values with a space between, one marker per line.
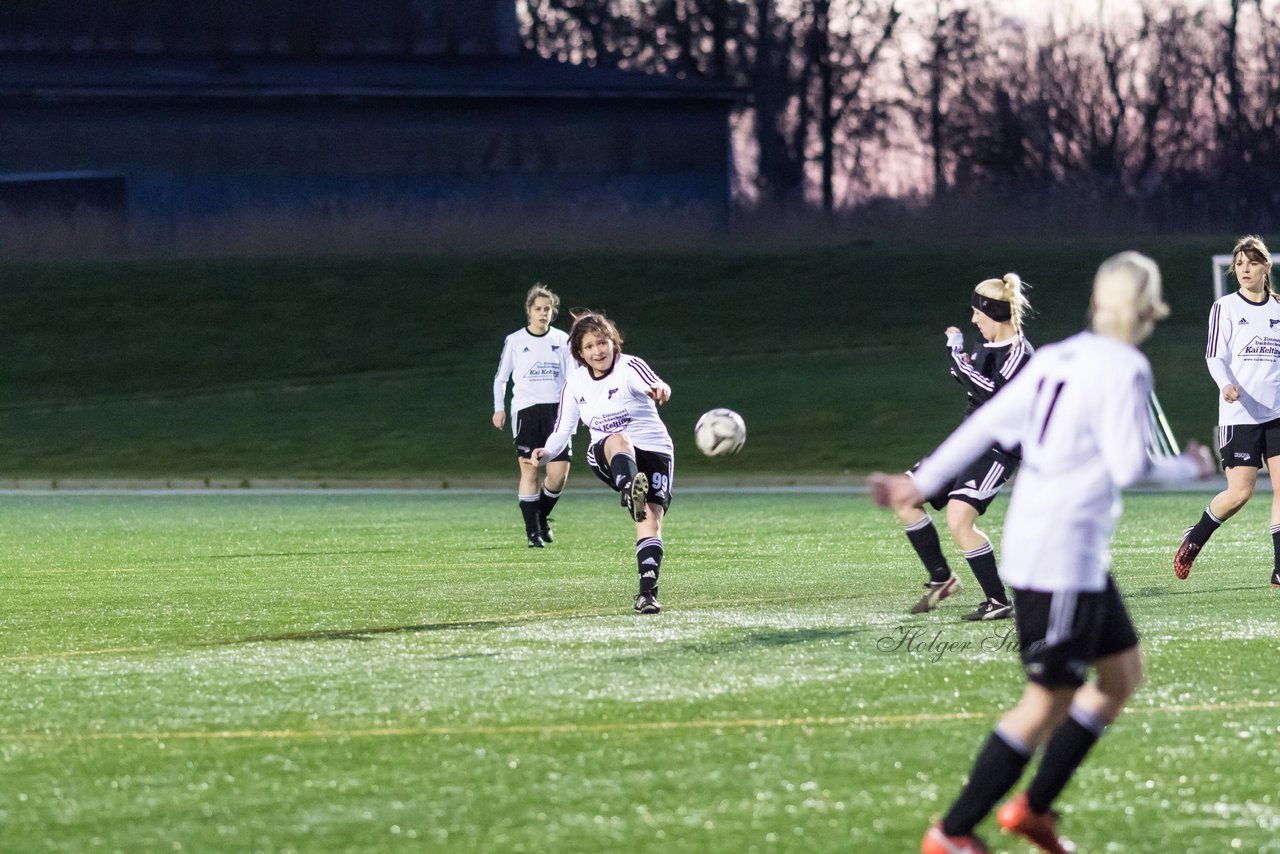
pixel 617 397
pixel 1083 439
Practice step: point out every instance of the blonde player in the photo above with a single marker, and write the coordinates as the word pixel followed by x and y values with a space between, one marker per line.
pixel 1083 439
pixel 1000 307
pixel 1243 356
pixel 537 356
pixel 617 397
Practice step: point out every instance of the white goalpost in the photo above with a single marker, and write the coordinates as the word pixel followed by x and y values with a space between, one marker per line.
pixel 1163 441
pixel 1221 263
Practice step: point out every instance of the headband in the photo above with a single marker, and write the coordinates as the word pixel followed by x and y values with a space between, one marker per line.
pixel 997 309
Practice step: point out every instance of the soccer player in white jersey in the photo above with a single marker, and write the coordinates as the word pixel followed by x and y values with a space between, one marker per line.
pixel 537 358
pixel 617 397
pixel 1079 412
pixel 999 309
pixel 1243 356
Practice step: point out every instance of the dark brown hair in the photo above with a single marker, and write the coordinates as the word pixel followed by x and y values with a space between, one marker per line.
pixel 588 320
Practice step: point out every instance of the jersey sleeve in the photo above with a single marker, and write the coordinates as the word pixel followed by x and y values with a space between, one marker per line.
pixel 1217 353
pixel 506 364
pixel 640 377
pixel 566 424
pixel 1015 360
pixel 978 387
pixel 998 422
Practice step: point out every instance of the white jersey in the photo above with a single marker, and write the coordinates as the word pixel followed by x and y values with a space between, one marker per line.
pixel 1244 350
pixel 617 402
pixel 1079 411
pixel 539 363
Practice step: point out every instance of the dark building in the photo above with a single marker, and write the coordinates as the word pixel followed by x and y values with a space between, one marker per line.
pixel 204 108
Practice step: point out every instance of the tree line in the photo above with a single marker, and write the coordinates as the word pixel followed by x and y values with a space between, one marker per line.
pixel 1166 113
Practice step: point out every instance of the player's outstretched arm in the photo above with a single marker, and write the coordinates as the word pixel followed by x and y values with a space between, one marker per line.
pixel 660 393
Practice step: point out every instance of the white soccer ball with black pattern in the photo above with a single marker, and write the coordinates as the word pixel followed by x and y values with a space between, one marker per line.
pixel 720 432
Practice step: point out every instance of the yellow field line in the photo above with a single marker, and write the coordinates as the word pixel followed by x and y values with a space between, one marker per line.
pixel 586 729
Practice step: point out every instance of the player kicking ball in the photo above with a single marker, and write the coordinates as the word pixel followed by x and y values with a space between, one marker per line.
pixel 617 397
pixel 1083 440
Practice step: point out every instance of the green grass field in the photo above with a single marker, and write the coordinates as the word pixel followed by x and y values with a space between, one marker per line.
pixel 384 672
pixel 382 367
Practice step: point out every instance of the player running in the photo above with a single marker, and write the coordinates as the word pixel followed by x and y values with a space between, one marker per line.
pixel 1079 412
pixel 999 308
pixel 617 397
pixel 1244 360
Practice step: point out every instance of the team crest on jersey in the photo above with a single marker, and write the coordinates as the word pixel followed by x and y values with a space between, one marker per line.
pixel 1274 323
pixel 612 392
pixel 555 348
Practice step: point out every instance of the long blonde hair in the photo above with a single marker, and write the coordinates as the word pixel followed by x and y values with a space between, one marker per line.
pixel 1010 288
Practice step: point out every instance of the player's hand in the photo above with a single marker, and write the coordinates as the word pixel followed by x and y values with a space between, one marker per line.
pixel 660 393
pixel 1206 465
pixel 1231 393
pixel 955 338
pixel 897 491
pixel 499 420
pixel 538 456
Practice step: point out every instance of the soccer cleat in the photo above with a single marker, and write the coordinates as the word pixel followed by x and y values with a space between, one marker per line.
pixel 937 842
pixel 1275 578
pixel 1185 557
pixel 535 541
pixel 647 602
pixel 935 592
pixel 544 529
pixel 990 610
pixel 633 495
pixel 1041 828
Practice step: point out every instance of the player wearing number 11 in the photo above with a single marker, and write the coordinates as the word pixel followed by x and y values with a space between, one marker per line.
pixel 1082 441
pixel 617 397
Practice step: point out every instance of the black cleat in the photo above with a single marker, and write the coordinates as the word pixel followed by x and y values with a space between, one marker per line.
pixel 544 529
pixel 990 610
pixel 633 495
pixel 1275 578
pixel 647 602
pixel 535 541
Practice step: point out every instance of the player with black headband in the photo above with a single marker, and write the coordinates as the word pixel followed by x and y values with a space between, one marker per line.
pixel 1079 413
pixel 999 309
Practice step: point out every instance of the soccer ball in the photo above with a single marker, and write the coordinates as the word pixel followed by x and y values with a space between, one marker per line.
pixel 720 432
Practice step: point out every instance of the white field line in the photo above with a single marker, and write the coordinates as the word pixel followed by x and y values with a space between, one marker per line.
pixel 625 727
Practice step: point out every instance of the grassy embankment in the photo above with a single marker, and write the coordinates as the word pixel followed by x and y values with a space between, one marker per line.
pixel 381 367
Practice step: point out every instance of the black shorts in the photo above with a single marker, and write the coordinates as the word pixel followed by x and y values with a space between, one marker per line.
pixel 658 468
pixel 534 425
pixel 1062 633
pixel 978 483
pixel 1249 445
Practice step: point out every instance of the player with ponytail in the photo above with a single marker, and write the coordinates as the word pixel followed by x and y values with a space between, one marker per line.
pixel 1000 306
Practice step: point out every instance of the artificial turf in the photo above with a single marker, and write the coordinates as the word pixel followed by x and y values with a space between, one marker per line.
pixel 384 672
